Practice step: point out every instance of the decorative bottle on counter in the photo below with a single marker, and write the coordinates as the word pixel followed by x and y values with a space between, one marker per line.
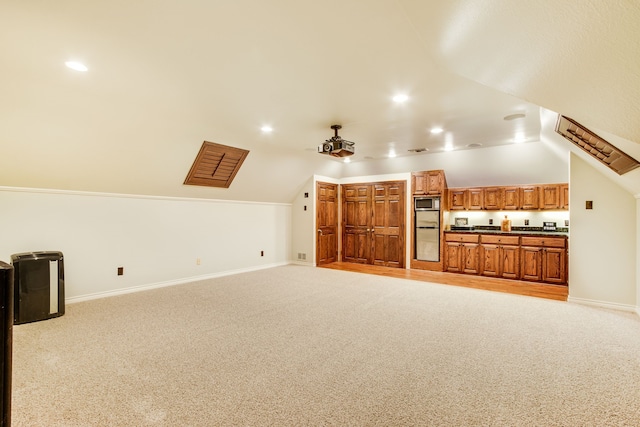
pixel 506 224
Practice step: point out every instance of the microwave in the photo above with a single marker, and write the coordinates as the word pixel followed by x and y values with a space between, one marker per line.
pixel 427 203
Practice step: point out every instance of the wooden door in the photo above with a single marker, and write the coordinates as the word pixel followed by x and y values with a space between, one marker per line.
pixel 475 198
pixel 327 223
pixel 531 263
pixel 550 195
pixel 453 257
pixel 470 258
pixel 357 223
pixel 512 198
pixel 491 260
pixel 529 197
pixel 510 262
pixel 458 199
pixel 388 231
pixel 553 265
pixel 493 198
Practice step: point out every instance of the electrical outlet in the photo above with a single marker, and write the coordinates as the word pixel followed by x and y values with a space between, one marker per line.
pixel 197 261
pixel 120 271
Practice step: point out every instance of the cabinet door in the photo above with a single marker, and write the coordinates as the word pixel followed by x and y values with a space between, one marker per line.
pixel 419 183
pixel 564 196
pixel 510 262
pixel 531 261
pixel 435 182
pixel 512 198
pixel 550 195
pixel 476 198
pixel 452 257
pixel 458 199
pixel 490 260
pixel 529 197
pixel 553 261
pixel 493 198
pixel 470 258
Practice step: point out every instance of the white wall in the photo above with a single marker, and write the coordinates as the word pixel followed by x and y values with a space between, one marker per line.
pixel 603 245
pixel 638 253
pixel 156 240
pixel 302 224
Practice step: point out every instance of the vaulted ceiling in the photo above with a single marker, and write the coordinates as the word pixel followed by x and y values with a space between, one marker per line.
pixel 165 76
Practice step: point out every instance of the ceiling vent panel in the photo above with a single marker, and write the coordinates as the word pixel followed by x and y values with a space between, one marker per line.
pixel 603 151
pixel 216 165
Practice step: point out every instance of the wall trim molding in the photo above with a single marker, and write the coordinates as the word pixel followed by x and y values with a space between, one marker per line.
pixel 132 196
pixel 140 288
pixel 604 304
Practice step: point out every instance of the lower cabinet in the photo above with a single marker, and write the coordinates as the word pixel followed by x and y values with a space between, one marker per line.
pixel 500 256
pixel 536 259
pixel 544 259
pixel 462 253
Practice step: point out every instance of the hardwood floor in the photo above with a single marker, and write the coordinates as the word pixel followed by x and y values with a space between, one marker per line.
pixel 519 287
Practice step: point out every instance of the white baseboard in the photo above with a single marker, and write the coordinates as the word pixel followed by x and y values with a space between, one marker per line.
pixel 304 263
pixel 140 288
pixel 603 304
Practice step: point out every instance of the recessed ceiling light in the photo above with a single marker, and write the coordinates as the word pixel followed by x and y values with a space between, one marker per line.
pixel 520 137
pixel 391 154
pixel 266 129
pixel 347 160
pixel 514 116
pixel 400 98
pixel 448 147
pixel 436 130
pixel 76 66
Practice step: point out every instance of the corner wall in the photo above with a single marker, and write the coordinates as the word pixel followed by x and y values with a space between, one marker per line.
pixel 603 242
pixel 157 240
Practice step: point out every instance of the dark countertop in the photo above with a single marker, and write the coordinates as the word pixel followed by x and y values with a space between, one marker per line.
pixel 513 232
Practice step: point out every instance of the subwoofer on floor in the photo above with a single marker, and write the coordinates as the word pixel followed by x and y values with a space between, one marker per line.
pixel 38 286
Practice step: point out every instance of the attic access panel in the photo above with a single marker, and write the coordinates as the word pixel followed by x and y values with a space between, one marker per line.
pixel 215 165
pixel 603 151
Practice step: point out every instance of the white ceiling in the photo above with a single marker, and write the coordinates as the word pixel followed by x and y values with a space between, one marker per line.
pixel 166 75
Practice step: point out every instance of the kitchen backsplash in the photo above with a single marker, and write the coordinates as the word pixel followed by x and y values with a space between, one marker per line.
pixel 518 218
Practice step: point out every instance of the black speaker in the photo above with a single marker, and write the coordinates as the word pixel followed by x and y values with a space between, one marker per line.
pixel 39 286
pixel 6 336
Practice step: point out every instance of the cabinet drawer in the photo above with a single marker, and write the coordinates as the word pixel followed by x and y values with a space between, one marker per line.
pixel 463 238
pixel 500 240
pixel 551 242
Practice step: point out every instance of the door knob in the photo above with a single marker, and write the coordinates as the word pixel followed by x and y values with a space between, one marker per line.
pixel 319 231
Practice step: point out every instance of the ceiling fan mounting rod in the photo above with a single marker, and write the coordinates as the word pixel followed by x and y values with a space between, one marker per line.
pixel 335 128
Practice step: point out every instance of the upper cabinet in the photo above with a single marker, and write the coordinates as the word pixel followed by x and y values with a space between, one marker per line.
pixel 428 182
pixel 522 197
pixel 529 197
pixel 494 198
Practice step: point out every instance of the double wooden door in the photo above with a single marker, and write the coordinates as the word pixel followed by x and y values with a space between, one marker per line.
pixel 373 223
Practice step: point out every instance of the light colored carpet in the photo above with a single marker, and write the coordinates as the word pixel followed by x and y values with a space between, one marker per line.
pixel 308 346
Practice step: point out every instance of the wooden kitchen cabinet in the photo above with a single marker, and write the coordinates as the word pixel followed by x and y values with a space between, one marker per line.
pixel 476 198
pixel 500 256
pixel 511 198
pixel 493 198
pixel 544 259
pixel 550 196
pixel 458 199
pixel 428 182
pixel 529 197
pixel 462 253
pixel 564 196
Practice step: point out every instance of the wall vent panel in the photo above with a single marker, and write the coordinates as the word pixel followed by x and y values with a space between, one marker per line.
pixel 600 149
pixel 215 165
